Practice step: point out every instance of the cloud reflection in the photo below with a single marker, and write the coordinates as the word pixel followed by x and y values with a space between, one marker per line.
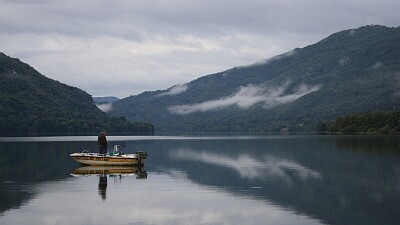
pixel 249 167
pixel 162 199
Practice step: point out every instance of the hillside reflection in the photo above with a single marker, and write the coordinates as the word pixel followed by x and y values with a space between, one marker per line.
pixel 308 180
pixel 324 177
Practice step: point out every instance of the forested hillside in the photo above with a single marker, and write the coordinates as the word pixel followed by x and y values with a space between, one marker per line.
pixel 32 104
pixel 352 71
pixel 369 123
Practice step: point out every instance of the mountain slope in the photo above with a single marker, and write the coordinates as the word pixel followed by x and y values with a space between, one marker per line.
pixel 351 71
pixel 32 104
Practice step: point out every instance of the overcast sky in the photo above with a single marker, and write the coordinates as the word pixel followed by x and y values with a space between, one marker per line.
pixel 123 48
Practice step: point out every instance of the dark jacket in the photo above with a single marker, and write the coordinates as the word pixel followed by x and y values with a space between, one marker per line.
pixel 101 139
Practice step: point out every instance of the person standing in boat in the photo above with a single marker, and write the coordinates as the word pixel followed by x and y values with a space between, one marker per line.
pixel 102 141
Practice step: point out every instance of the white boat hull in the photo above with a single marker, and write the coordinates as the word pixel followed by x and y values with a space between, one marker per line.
pixel 96 159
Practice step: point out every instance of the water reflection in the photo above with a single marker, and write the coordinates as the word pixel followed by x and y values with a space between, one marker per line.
pixel 138 171
pixel 160 199
pixel 115 172
pixel 249 167
pixel 273 180
pixel 103 186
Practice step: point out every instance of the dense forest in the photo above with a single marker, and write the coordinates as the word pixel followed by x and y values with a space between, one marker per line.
pixel 369 123
pixel 32 104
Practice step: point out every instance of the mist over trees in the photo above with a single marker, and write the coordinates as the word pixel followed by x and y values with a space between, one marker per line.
pixel 350 72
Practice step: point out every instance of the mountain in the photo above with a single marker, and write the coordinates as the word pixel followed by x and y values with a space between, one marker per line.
pixel 106 99
pixel 32 104
pixel 349 72
pixel 104 103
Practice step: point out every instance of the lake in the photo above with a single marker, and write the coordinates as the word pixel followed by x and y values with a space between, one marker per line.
pixel 204 180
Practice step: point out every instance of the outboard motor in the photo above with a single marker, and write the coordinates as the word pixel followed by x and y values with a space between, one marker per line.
pixel 118 150
pixel 142 155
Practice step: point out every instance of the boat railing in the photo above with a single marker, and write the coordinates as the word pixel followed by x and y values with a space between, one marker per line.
pixel 87 152
pixel 117 151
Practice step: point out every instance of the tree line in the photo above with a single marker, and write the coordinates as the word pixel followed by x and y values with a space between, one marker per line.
pixel 16 125
pixel 368 123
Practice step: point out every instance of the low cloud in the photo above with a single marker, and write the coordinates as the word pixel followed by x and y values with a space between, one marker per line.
pixel 278 57
pixel 247 96
pixel 105 107
pixel 344 61
pixel 175 90
pixel 272 59
pixel 377 65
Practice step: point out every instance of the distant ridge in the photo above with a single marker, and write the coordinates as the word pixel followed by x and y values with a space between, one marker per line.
pixel 352 71
pixel 106 99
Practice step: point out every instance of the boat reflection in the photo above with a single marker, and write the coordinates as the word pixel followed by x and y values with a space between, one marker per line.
pixel 103 172
pixel 111 171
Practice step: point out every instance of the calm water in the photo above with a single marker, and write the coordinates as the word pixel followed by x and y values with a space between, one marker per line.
pixel 229 180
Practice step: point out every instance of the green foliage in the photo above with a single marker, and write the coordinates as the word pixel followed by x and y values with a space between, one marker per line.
pixel 357 72
pixel 369 123
pixel 32 104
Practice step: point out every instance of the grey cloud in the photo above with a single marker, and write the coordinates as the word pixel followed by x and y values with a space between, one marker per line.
pixel 162 43
pixel 246 97
pixel 144 19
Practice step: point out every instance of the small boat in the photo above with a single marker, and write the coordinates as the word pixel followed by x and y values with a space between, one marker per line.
pixel 115 158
